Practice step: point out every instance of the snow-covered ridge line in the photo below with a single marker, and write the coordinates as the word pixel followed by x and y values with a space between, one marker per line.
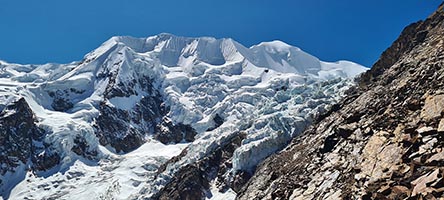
pixel 192 91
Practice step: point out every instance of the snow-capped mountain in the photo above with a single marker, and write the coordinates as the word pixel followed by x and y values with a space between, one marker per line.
pixel 136 112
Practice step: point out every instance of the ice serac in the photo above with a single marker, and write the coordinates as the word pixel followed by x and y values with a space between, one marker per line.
pixel 225 106
pixel 383 141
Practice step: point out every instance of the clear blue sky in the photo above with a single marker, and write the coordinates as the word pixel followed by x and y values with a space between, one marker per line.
pixel 64 31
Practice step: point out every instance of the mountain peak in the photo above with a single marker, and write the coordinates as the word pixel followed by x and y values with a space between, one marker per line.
pixel 177 51
pixel 277 44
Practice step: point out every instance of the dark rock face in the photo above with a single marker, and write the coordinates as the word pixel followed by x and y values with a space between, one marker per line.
pixel 125 130
pixel 384 141
pixel 112 128
pixel 81 148
pixel 21 140
pixel 193 185
pixel 193 180
pixel 61 100
pixel 218 121
pixel 166 132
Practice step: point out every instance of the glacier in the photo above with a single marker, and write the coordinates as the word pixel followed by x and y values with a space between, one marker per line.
pixel 270 92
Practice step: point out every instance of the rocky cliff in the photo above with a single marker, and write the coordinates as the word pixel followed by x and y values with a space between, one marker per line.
pixel 21 142
pixel 384 141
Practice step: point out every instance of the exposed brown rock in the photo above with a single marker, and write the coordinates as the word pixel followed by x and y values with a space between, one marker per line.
pixel 421 184
pixel 434 106
pixel 438 157
pixel 441 126
pixel 193 180
pixel 380 158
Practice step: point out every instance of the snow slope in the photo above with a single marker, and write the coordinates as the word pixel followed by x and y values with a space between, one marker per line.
pixel 270 91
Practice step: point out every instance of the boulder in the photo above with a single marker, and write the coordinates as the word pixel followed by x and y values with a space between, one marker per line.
pixel 433 107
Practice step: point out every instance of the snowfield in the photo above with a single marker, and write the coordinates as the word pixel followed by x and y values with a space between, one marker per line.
pixel 270 91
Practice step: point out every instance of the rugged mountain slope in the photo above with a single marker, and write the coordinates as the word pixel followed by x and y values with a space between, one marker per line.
pixel 384 141
pixel 136 112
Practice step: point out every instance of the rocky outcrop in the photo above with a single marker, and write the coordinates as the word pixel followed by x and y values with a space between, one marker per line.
pixel 167 132
pixel 61 100
pixel 126 130
pixel 21 141
pixel 112 128
pixel 82 148
pixel 193 181
pixel 384 141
